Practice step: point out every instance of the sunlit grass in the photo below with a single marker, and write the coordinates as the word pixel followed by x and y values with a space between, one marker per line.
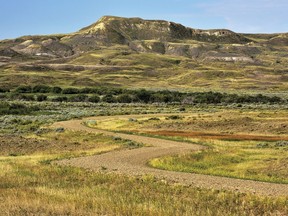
pixel 235 159
pixel 31 187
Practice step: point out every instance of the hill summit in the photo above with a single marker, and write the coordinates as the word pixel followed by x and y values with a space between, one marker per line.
pixel 123 30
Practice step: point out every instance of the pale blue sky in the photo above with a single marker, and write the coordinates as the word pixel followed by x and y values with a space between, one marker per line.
pixel 30 17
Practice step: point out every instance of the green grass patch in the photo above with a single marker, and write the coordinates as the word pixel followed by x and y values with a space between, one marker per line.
pixel 235 162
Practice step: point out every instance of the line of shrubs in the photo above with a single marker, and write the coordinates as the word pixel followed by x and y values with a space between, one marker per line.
pixel 16 109
pixel 119 95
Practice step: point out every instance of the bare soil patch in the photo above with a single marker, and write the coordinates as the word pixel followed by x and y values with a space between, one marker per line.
pixel 218 136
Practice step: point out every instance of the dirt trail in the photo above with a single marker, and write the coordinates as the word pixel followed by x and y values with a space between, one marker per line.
pixel 134 162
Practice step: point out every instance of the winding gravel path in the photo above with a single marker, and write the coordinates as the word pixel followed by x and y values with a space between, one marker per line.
pixel 134 162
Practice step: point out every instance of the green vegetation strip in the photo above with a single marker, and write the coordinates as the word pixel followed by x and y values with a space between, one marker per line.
pixel 241 160
pixel 121 95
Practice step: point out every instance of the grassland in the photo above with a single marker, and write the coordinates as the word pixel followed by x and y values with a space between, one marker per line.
pixel 31 184
pixel 120 66
pixel 243 143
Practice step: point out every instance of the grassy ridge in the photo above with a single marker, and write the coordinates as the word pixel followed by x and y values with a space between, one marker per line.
pixel 120 66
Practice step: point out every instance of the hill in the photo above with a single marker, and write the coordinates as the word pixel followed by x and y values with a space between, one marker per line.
pixel 155 54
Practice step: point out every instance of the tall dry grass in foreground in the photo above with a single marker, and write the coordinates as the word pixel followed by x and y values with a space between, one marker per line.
pixel 31 187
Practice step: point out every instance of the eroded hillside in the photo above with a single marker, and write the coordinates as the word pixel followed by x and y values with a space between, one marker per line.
pixel 136 53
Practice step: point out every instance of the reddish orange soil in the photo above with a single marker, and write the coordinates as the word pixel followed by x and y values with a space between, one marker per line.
pixel 218 136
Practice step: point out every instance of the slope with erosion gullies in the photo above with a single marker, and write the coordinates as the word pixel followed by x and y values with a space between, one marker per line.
pixel 138 29
pixel 132 52
pixel 116 30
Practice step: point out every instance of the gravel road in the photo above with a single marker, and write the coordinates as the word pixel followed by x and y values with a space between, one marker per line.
pixel 134 162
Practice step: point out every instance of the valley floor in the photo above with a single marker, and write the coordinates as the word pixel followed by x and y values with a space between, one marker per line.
pixel 134 162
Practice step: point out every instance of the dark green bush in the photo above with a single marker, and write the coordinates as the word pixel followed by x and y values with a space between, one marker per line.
pixel 4 90
pixel 56 90
pixel 41 98
pixel 78 98
pixel 41 89
pixel 124 98
pixel 173 117
pixel 16 109
pixel 24 89
pixel 26 97
pixel 94 99
pixel 70 91
pixel 109 99
pixel 143 95
pixel 60 99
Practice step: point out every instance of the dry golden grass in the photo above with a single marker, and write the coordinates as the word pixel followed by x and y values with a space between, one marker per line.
pixel 32 187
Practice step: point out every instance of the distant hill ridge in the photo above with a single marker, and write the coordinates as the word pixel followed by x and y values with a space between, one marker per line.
pixel 139 34
pixel 121 30
pixel 133 52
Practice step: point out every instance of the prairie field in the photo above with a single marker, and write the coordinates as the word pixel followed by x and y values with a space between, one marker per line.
pixel 32 182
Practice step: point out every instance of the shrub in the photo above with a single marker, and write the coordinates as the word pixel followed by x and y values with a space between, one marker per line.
pixel 59 130
pixel 70 91
pixel 94 99
pixel 24 89
pixel 109 99
pixel 173 117
pixel 16 109
pixel 60 99
pixel 182 109
pixel 262 145
pixel 26 97
pixel 124 98
pixel 41 89
pixel 4 90
pixel 56 90
pixel 154 119
pixel 78 98
pixel 41 98
pixel 86 91
pixel 143 95
pixel 281 144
